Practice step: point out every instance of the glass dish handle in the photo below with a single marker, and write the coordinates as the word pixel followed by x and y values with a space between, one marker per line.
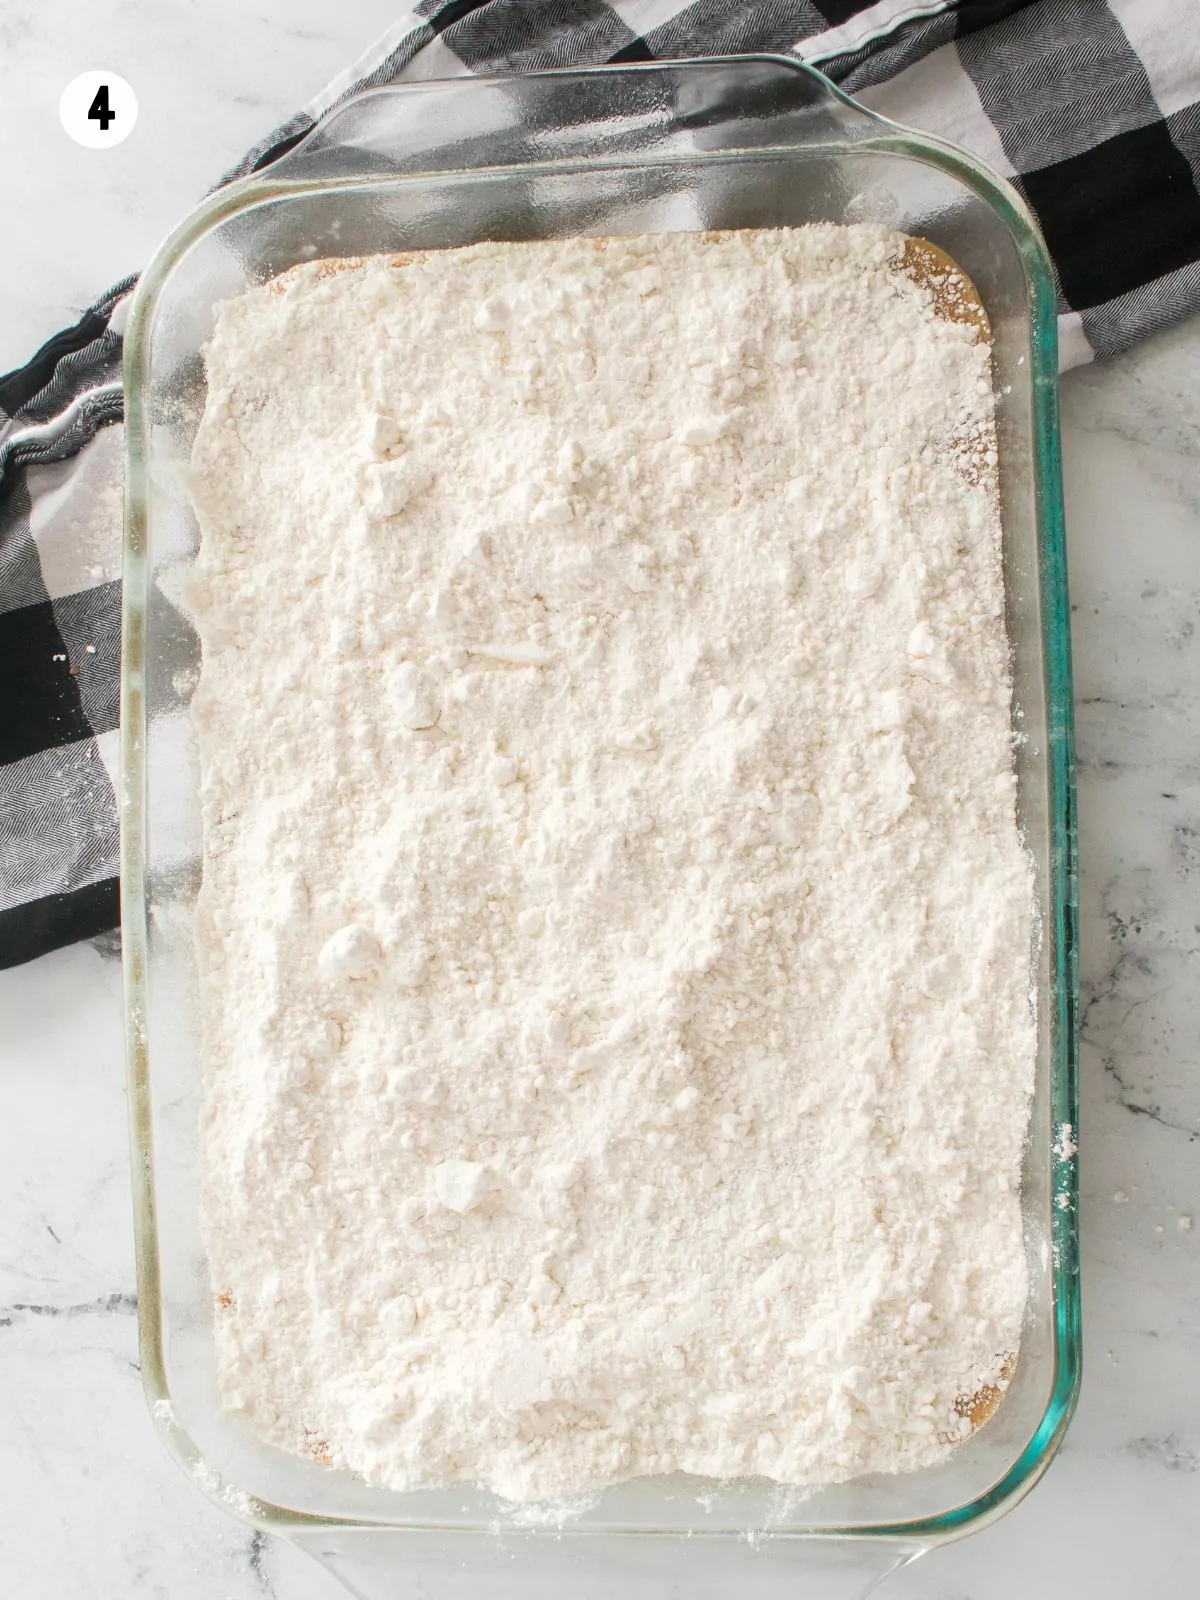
pixel 454 1564
pixel 673 109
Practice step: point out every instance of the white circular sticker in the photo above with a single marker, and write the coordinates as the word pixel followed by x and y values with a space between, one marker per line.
pixel 98 109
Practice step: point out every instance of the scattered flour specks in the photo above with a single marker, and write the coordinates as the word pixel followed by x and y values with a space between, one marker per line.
pixel 614 933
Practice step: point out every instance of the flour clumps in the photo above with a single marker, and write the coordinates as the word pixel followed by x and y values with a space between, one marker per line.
pixel 614 937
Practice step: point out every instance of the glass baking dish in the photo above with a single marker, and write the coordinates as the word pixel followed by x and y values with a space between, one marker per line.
pixel 724 143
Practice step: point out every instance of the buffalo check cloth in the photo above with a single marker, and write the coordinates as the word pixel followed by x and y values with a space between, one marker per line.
pixel 1090 107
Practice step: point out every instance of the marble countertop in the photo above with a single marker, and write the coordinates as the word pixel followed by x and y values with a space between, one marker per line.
pixel 95 1507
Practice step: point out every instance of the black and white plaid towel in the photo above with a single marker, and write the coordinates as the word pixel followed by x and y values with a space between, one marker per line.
pixel 1091 107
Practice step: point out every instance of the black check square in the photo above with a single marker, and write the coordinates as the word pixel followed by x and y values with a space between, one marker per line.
pixel 1140 177
pixel 44 707
pixel 45 924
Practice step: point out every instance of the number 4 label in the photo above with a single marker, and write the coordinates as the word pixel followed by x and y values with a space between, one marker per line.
pixel 98 109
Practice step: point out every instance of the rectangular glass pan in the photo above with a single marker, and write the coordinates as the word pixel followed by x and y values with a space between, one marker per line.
pixel 746 142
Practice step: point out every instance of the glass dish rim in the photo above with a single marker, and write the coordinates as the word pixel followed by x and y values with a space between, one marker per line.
pixel 885 137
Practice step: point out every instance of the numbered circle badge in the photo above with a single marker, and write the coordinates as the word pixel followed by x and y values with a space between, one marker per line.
pixel 98 109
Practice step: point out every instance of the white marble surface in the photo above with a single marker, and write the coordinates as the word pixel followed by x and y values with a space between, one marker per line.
pixel 93 1508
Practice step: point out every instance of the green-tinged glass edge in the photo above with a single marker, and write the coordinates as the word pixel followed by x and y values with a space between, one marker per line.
pixel 246 195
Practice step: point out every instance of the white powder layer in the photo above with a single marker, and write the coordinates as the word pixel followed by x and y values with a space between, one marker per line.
pixel 614 934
